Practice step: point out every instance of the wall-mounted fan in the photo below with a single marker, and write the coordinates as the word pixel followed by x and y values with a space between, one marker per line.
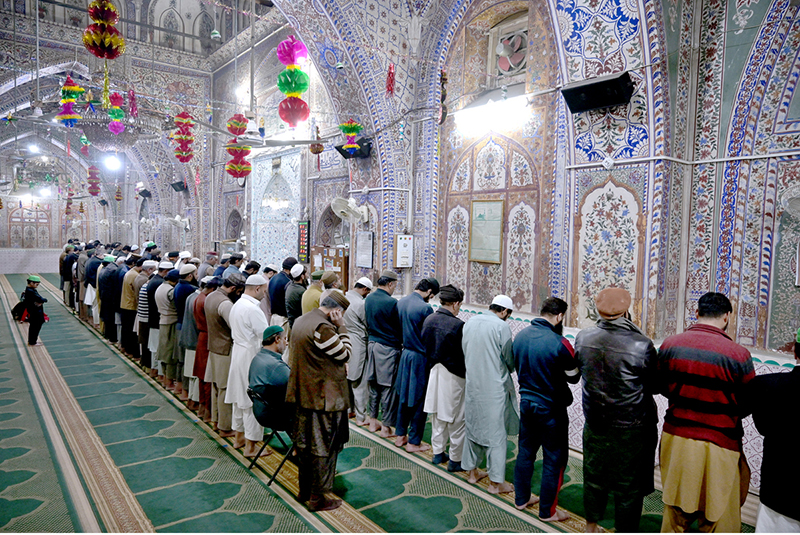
pixel 347 209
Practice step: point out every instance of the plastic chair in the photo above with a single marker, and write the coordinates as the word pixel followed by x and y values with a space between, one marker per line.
pixel 274 427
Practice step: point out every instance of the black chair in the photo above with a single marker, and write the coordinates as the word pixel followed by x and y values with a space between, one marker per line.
pixel 274 425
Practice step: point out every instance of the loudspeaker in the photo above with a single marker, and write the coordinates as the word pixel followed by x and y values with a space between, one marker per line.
pixel 178 186
pixel 103 202
pixel 597 93
pixel 365 148
pixel 145 194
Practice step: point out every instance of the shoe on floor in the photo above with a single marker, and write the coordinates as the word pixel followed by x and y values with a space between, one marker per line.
pixel 454 466
pixel 440 458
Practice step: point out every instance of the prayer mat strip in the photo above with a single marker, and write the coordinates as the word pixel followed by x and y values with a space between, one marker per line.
pixel 118 509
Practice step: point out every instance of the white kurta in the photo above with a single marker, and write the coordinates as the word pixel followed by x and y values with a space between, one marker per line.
pixel 445 395
pixel 248 324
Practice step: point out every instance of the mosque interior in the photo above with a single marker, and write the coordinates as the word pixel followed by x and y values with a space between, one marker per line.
pixel 531 148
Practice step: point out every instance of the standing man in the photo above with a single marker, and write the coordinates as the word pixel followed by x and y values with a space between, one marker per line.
pixel 313 293
pixel 330 281
pixel 618 364
pixel 236 260
pixel 168 328
pixel 269 271
pixel 319 350
pixel 33 304
pixel 491 399
pixel 247 329
pixel 155 317
pixel 90 284
pixel 201 353
pixel 545 363
pixel 703 469
pixel 356 322
pixel 127 306
pixel 217 308
pixel 223 265
pixel 277 294
pixel 66 272
pixel 778 511
pixel 442 334
pixel 140 285
pixel 186 286
pixel 294 293
pixel 108 297
pixel 80 272
pixel 412 374
pixel 383 353
pixel 207 267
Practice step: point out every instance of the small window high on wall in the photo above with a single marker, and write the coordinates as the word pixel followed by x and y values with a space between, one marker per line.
pixel 508 51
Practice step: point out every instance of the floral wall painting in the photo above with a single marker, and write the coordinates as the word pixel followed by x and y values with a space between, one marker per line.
pixel 457 243
pixel 486 232
pixel 608 249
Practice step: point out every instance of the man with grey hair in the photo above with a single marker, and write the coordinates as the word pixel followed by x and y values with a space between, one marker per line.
pixel 319 349
pixel 207 267
pixel 491 408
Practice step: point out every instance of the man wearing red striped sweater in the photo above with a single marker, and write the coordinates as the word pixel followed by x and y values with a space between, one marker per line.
pixel 703 469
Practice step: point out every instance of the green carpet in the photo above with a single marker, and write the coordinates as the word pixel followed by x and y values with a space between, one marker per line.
pixel 31 495
pixel 184 480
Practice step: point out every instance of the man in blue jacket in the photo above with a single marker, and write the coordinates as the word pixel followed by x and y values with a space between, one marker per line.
pixel 545 363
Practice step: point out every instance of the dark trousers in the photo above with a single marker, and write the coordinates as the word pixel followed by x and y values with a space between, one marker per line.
pixel 541 427
pixel 383 399
pixel 129 340
pixel 144 335
pixel 110 329
pixel 618 460
pixel 34 326
pixel 413 418
pixel 315 474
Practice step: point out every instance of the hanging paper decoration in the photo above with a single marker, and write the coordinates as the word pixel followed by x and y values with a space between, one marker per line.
pixel 390 81
pixel 101 38
pixel 237 125
pixel 317 148
pixel 106 99
pixel 94 181
pixel 118 194
pixel 81 209
pixel 85 145
pixel 133 109
pixel 293 111
pixel 184 137
pixel 116 113
pixel 238 167
pixel 293 82
pixel 351 129
pixel 1 204
pixel 70 92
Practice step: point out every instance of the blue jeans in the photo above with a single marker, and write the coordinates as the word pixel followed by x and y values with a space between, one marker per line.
pixel 546 428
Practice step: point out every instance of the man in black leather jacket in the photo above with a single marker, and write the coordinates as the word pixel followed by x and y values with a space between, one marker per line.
pixel 618 366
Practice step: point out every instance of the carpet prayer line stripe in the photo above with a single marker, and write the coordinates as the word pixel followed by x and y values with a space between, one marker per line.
pixel 112 497
pixel 72 481
pixel 318 520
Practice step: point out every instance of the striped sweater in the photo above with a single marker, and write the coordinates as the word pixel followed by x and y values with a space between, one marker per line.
pixel 703 373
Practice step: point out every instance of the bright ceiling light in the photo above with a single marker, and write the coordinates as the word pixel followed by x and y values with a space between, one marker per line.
pixel 33 148
pixel 140 184
pixel 242 92
pixel 501 116
pixel 44 192
pixel 27 198
pixel 112 163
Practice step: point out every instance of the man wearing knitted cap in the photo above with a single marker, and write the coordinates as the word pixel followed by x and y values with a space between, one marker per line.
pixel 247 328
pixel 127 305
pixel 319 349
pixel 313 293
pixel 33 304
pixel 277 293
pixel 154 317
pixel 356 322
pixel 330 280
pixel 442 335
pixel 705 377
pixel 168 328
pixel 108 296
pixel 618 366
pixel 492 412
pixel 294 293
pixel 383 353
pixel 140 287
pixel 412 372
pixel 185 287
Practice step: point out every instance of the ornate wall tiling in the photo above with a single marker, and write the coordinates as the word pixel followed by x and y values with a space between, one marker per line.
pixel 457 256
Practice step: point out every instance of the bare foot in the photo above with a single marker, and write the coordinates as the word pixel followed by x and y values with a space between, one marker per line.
pixel 362 424
pixel 251 454
pixel 401 441
pixel 533 501
pixel 226 434
pixel 374 426
pixel 592 527
pixel 237 445
pixel 500 488
pixel 476 475
pixel 560 516
pixel 386 432
pixel 414 448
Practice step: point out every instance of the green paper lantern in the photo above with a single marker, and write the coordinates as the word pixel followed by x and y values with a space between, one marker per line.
pixel 293 82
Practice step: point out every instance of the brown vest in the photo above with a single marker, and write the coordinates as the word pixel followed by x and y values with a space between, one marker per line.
pixel 219 333
pixel 316 381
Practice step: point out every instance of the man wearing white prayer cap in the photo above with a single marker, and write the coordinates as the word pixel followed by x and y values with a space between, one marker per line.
pixel 247 323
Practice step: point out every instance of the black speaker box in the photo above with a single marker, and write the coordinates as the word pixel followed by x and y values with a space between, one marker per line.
pixel 103 202
pixel 178 186
pixel 145 194
pixel 597 93
pixel 365 148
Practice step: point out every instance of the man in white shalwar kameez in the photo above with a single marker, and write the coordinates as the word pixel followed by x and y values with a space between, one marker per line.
pixel 492 410
pixel 247 323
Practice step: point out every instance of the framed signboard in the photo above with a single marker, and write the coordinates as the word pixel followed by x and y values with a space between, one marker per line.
pixel 303 241
pixel 486 232
pixel 364 249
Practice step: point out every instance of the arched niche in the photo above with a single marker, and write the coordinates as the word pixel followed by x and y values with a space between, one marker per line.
pixel 233 226
pixel 329 225
pixel 275 232
pixel 29 228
